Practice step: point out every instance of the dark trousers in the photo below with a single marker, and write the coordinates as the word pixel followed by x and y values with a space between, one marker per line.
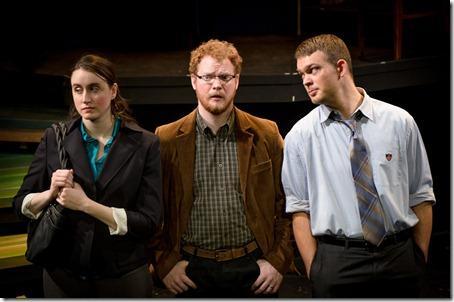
pixel 394 271
pixel 58 283
pixel 226 279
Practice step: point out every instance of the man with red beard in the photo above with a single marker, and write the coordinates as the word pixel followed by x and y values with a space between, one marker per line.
pixel 225 233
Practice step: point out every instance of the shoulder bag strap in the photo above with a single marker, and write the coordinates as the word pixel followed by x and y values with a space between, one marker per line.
pixel 60 134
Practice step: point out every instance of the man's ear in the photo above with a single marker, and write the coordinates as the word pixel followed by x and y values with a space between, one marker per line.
pixel 193 79
pixel 342 67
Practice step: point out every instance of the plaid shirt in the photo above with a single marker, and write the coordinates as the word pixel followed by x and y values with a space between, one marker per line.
pixel 218 219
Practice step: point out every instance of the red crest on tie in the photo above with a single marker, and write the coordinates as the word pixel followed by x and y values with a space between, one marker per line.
pixel 389 156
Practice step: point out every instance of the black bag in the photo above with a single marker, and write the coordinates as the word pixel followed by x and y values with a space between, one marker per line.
pixel 45 233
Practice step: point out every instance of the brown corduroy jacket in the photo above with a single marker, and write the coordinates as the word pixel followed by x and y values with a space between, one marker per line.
pixel 260 152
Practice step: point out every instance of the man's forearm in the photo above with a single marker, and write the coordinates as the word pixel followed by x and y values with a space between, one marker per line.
pixel 307 244
pixel 423 229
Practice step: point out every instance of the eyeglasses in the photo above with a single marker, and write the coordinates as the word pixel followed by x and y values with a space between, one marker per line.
pixel 209 78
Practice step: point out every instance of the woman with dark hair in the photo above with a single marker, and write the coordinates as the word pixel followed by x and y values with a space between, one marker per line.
pixel 111 193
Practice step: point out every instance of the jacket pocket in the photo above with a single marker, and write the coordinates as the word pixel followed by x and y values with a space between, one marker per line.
pixel 263 166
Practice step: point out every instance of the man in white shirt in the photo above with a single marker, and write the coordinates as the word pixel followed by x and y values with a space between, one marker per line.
pixel 335 240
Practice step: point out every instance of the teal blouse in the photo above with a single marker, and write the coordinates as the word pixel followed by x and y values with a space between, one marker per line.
pixel 92 148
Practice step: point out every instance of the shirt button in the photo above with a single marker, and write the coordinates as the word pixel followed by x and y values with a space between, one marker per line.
pixel 220 165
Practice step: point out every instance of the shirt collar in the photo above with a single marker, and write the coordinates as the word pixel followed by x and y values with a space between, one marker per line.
pixel 203 127
pixel 366 108
pixel 87 138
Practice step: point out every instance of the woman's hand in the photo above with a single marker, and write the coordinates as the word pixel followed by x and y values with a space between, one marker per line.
pixel 73 198
pixel 62 178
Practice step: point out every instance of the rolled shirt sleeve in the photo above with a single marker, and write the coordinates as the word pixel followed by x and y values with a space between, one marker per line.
pixel 294 175
pixel 25 207
pixel 420 176
pixel 121 220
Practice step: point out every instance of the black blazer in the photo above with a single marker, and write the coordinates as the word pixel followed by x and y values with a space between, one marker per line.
pixel 130 179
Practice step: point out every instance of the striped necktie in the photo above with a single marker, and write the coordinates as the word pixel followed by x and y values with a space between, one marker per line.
pixel 370 208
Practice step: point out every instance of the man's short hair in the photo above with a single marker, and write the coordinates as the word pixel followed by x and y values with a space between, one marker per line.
pixel 332 46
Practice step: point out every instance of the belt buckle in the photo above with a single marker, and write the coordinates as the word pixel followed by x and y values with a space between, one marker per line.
pixel 370 247
pixel 217 253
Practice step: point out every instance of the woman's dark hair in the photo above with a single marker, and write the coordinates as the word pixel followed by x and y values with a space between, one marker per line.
pixel 104 69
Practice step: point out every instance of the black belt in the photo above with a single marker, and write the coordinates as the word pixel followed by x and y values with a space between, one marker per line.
pixel 361 243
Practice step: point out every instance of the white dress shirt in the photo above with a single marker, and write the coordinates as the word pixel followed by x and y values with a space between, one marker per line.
pixel 317 177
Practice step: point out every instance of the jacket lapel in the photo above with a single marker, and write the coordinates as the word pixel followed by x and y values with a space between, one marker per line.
pixel 244 147
pixel 122 149
pixel 186 157
pixel 76 152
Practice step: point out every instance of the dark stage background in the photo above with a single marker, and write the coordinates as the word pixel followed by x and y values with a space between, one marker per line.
pixel 150 45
